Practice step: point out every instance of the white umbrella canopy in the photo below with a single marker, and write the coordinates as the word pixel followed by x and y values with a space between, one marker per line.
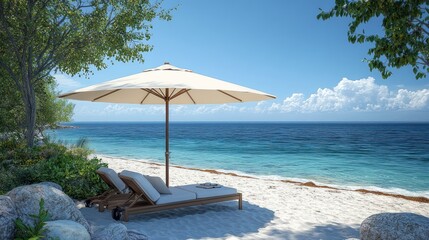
pixel 167 85
pixel 151 85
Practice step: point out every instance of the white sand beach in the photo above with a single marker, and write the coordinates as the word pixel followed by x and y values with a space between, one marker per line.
pixel 272 209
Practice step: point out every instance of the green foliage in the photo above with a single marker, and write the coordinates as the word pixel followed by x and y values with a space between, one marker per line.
pixel 50 109
pixel 406 32
pixel 11 111
pixel 40 37
pixel 71 168
pixel 75 174
pixel 81 148
pixel 35 231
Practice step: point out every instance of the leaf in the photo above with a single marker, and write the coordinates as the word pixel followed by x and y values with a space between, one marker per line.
pixel 401 41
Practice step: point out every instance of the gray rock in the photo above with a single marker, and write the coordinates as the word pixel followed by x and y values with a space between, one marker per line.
pixel 66 230
pixel 395 226
pixel 8 215
pixel 58 204
pixel 113 231
pixel 52 184
pixel 135 235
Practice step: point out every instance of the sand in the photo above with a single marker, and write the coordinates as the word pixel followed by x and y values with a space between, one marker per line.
pixel 272 209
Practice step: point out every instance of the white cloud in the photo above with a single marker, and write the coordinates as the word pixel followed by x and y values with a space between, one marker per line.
pixel 204 109
pixel 179 108
pixel 131 109
pixel 349 96
pixel 65 82
pixel 354 95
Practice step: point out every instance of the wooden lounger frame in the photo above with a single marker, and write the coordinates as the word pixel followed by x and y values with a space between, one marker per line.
pixel 141 203
pixel 112 197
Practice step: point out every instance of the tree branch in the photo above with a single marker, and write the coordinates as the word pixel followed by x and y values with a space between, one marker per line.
pixel 49 59
pixel 48 44
pixel 418 21
pixel 424 60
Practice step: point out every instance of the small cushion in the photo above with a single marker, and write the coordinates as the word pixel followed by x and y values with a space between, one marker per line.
pixel 113 177
pixel 143 183
pixel 177 195
pixel 158 184
pixel 211 192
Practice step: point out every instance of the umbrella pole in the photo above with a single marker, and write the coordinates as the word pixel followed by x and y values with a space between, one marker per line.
pixel 167 147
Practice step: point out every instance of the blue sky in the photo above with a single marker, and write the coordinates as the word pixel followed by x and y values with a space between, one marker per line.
pixel 278 47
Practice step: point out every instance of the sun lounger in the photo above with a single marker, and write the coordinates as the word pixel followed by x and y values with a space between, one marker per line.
pixel 147 199
pixel 117 193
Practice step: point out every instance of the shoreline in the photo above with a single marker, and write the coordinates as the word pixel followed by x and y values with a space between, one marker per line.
pixel 306 183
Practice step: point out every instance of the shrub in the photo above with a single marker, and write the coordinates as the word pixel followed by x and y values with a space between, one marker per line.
pixel 71 168
pixel 76 175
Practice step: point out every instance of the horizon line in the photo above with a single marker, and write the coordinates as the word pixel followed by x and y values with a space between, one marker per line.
pixel 250 121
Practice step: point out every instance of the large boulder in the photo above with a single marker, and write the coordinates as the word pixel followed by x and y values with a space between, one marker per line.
pixel 58 204
pixel 136 235
pixel 66 230
pixel 117 231
pixel 393 226
pixel 113 231
pixel 8 215
pixel 52 184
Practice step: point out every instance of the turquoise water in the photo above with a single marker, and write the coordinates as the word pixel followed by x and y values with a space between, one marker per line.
pixel 390 156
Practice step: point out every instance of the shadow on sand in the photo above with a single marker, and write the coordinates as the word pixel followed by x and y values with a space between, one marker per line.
pixel 219 220
pixel 330 231
pixel 208 221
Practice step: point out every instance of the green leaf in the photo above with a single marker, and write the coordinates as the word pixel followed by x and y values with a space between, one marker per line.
pixel 401 41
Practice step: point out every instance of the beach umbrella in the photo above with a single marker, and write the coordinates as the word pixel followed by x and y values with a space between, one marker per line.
pixel 167 85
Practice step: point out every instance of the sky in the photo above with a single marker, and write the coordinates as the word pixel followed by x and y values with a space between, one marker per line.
pixel 275 46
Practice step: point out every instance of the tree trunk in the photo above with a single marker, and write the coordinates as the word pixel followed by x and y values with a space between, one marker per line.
pixel 29 99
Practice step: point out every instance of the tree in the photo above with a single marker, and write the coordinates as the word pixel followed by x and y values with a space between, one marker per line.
pixel 50 109
pixel 41 36
pixel 406 32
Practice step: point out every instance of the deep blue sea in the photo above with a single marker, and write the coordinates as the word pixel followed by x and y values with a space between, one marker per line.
pixel 391 157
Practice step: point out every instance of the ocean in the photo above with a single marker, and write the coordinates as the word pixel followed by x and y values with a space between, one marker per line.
pixel 389 157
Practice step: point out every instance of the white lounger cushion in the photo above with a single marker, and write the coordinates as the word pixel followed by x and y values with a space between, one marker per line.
pixel 211 192
pixel 158 184
pixel 143 183
pixel 113 176
pixel 177 195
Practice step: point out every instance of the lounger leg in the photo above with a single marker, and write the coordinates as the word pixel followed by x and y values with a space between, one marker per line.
pixel 125 217
pixel 240 202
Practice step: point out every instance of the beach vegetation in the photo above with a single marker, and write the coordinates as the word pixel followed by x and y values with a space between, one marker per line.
pixel 404 37
pixel 71 167
pixel 73 37
pixel 35 231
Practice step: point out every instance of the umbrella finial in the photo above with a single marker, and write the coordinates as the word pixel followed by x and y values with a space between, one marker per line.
pixel 167 63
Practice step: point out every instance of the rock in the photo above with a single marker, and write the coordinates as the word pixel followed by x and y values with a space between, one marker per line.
pixel 8 215
pixel 135 235
pixel 402 226
pixel 116 231
pixel 58 204
pixel 66 230
pixel 113 231
pixel 52 184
